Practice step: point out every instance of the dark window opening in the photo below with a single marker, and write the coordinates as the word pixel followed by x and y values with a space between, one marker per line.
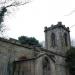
pixel 46 66
pixel 53 40
pixel 65 38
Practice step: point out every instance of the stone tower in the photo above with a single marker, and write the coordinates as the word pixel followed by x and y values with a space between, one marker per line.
pixel 57 37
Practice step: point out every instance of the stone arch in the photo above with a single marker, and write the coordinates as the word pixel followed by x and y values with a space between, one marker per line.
pixel 46 66
pixel 22 58
pixel 53 43
pixel 65 39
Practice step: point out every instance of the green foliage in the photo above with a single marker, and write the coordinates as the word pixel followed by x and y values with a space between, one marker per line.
pixel 2 14
pixel 28 40
pixel 71 60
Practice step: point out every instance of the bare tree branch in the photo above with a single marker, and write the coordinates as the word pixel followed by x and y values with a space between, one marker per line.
pixel 16 4
pixel 6 4
pixel 73 11
pixel 72 26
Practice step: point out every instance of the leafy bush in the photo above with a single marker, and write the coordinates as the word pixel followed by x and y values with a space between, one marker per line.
pixel 28 40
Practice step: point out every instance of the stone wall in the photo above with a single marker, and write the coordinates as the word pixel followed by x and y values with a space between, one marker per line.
pixel 61 44
pixel 59 30
pixel 10 51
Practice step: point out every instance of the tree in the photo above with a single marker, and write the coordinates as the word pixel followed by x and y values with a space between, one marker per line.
pixel 28 40
pixel 71 60
pixel 4 4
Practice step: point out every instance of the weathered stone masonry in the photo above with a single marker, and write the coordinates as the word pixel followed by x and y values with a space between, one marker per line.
pixel 18 59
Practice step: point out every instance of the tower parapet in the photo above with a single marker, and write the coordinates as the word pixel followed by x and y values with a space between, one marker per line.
pixel 59 25
pixel 57 37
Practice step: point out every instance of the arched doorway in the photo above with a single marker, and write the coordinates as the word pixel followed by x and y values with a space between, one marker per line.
pixel 46 66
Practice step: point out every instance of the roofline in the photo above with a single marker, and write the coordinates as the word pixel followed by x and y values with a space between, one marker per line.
pixel 35 48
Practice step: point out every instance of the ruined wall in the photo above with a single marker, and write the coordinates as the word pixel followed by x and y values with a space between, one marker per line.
pixel 26 67
pixel 40 64
pixel 9 52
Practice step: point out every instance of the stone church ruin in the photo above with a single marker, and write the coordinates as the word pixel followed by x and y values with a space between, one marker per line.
pixel 18 59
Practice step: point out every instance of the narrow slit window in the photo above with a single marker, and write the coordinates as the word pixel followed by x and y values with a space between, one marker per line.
pixel 65 38
pixel 53 40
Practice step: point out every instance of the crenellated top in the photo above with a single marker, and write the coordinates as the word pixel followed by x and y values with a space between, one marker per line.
pixel 59 25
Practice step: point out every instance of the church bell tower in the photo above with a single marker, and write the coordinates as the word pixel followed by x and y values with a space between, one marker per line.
pixel 57 37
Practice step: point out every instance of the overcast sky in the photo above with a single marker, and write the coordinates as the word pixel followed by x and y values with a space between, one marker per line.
pixel 30 19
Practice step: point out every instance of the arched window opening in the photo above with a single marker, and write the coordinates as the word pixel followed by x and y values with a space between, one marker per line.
pixel 53 43
pixel 65 38
pixel 46 66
